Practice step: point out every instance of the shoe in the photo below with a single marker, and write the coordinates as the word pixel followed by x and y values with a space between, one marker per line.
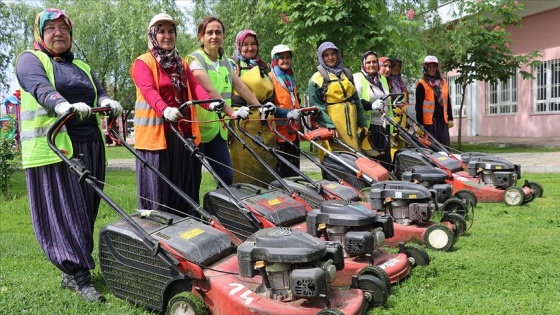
pixel 80 282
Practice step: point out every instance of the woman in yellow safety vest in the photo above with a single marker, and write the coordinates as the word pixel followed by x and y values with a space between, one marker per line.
pixel 433 106
pixel 213 70
pixel 63 210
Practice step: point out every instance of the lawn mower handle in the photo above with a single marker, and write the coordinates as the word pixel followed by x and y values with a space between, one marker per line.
pixel 76 166
pixel 195 102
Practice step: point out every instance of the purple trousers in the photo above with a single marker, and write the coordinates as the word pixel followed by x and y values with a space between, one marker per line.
pixel 63 211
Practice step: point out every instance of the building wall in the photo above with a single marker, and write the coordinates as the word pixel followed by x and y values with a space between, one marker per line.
pixel 538 32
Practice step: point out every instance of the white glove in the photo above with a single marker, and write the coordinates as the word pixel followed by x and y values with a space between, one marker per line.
pixel 242 112
pixel 82 109
pixel 172 114
pixel 267 108
pixel 377 105
pixel 115 106
pixel 217 106
pixel 293 114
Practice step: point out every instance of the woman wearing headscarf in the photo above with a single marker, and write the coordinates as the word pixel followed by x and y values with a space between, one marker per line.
pixel 286 99
pixel 164 81
pixel 63 211
pixel 245 58
pixel 331 90
pixel 433 106
pixel 370 88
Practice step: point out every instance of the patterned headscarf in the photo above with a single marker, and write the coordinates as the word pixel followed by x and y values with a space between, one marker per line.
pixel 339 64
pixel 434 82
pixel 255 61
pixel 397 83
pixel 372 78
pixel 167 59
pixel 285 77
pixel 39 42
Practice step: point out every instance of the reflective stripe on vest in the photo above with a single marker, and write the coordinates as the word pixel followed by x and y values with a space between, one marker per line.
pixel 283 99
pixel 35 121
pixel 149 131
pixel 429 104
pixel 222 82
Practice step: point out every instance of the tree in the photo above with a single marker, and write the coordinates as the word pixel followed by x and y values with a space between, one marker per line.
pixel 477 45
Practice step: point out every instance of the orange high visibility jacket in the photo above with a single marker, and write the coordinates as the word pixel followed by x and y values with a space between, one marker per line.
pixel 429 104
pixel 149 131
pixel 283 99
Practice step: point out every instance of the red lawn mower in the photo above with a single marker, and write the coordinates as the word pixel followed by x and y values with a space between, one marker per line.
pixel 476 178
pixel 183 266
pixel 359 233
pixel 411 206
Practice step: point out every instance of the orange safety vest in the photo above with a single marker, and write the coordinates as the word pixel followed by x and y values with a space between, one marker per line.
pixel 283 99
pixel 149 132
pixel 429 104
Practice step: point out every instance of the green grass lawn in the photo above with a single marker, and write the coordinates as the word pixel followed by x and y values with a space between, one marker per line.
pixel 508 263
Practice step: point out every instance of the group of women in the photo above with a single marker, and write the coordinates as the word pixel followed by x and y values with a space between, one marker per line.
pixel 53 82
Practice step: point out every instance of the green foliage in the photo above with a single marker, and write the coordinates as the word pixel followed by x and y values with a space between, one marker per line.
pixel 10 155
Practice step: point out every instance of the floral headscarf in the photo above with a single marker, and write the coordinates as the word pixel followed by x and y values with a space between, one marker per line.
pixel 255 61
pixel 337 70
pixel 397 83
pixel 167 59
pixel 39 43
pixel 285 77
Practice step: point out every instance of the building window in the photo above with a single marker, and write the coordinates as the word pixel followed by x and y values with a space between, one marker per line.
pixel 548 87
pixel 502 97
pixel 455 91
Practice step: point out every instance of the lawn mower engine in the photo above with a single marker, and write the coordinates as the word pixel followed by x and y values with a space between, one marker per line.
pixel 133 272
pixel 292 264
pixel 494 171
pixel 275 206
pixel 406 202
pixel 406 159
pixel 431 178
pixel 313 193
pixel 358 229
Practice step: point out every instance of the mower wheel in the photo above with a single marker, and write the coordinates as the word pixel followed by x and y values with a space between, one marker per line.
pixel 514 196
pixel 537 188
pixel 417 255
pixel 459 222
pixel 467 196
pixel 438 237
pixel 374 289
pixel 456 205
pixel 186 303
pixel 377 272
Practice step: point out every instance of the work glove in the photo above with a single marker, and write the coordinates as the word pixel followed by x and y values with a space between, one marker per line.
pixel 420 132
pixel 242 112
pixel 450 124
pixel 116 107
pixel 293 114
pixel 172 114
pixel 267 108
pixel 217 107
pixel 82 110
pixel 377 105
